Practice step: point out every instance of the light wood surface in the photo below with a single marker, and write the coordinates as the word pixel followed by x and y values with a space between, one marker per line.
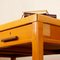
pixel 19 22
pixel 37 41
pixel 37 35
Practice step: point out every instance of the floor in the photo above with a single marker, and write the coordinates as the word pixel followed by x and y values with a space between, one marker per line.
pixel 46 57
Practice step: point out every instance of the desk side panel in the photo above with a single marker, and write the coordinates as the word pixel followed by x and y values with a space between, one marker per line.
pixel 23 33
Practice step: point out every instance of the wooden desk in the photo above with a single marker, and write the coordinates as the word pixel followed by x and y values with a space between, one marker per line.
pixel 35 35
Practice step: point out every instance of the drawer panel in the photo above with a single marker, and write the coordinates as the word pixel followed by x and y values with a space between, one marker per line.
pixel 51 31
pixel 55 32
pixel 15 36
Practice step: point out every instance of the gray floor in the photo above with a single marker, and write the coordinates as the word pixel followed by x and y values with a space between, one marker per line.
pixel 46 57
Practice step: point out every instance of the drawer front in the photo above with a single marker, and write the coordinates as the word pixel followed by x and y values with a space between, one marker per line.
pixel 15 36
pixel 51 31
pixel 55 32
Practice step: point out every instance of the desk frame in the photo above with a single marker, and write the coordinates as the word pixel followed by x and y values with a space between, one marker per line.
pixel 37 39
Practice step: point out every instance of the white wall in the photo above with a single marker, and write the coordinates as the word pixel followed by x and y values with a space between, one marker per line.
pixel 12 9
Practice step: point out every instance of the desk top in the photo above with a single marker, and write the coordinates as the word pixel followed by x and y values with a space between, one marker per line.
pixel 30 19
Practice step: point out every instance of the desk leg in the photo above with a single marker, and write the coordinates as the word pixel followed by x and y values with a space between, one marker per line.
pixel 37 42
pixel 13 58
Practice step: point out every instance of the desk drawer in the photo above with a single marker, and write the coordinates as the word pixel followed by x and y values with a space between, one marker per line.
pixel 16 35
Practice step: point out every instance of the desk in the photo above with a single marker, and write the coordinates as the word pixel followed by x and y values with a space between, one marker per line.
pixel 34 35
